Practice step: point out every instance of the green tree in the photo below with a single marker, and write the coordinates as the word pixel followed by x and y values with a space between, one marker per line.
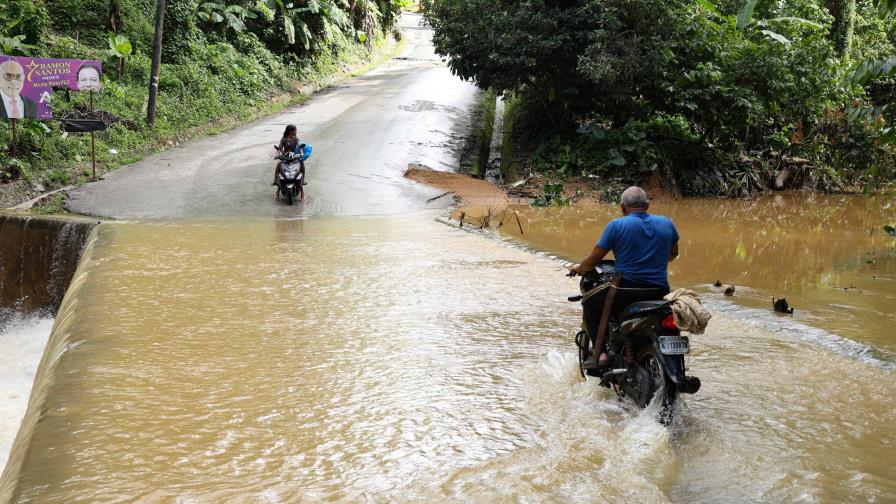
pixel 698 89
pixel 181 32
pixel 844 12
pixel 231 16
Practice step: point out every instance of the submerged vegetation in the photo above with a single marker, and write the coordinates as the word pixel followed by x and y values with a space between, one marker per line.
pixel 707 97
pixel 223 62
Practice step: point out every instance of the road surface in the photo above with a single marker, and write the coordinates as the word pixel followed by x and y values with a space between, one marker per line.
pixel 364 131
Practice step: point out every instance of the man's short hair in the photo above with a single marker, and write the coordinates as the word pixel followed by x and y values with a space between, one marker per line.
pixel 11 62
pixel 634 197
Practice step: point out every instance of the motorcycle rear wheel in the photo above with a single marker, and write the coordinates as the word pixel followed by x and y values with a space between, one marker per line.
pixel 658 383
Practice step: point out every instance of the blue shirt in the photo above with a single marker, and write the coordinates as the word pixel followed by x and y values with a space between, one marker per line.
pixel 641 244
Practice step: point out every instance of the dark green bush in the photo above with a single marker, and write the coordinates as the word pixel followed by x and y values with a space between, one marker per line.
pixel 33 15
pixel 84 20
pixel 138 22
pixel 181 33
pixel 686 89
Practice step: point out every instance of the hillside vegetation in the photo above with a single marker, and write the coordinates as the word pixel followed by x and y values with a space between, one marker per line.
pixel 223 62
pixel 708 97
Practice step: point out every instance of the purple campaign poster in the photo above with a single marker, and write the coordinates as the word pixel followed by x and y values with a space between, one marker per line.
pixel 26 83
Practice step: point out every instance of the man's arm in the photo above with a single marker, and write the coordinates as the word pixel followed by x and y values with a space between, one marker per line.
pixel 674 252
pixel 590 262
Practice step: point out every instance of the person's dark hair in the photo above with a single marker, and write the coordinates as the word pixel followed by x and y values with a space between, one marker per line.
pixel 89 65
pixel 289 129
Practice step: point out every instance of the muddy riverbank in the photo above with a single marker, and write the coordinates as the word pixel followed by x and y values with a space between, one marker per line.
pixel 460 188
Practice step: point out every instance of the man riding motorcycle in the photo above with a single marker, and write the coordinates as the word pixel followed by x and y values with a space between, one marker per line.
pixel 643 246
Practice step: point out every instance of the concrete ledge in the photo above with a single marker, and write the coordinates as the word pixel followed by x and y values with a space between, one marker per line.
pixel 38 257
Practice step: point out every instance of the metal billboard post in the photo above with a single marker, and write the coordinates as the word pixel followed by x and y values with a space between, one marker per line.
pixel 92 144
pixel 14 137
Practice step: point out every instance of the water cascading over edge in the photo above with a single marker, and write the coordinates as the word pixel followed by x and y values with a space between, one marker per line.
pixel 38 257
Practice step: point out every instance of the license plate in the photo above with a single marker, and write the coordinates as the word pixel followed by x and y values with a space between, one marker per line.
pixel 674 345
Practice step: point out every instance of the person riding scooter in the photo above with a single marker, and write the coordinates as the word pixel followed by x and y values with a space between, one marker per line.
pixel 289 143
pixel 643 246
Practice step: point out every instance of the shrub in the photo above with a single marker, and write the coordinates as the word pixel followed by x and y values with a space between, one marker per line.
pixel 33 15
pixel 628 88
pixel 181 33
pixel 84 20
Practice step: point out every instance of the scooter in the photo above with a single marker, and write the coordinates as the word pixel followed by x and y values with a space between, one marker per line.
pixel 290 180
pixel 658 348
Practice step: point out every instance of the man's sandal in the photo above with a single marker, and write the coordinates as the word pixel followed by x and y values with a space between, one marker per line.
pixel 603 363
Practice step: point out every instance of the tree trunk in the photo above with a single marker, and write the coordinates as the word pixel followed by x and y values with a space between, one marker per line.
pixel 115 22
pixel 844 12
pixel 156 63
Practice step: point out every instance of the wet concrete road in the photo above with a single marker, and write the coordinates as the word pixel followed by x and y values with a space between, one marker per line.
pixel 364 133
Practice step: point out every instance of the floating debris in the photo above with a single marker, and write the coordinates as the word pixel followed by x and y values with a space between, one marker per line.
pixel 781 306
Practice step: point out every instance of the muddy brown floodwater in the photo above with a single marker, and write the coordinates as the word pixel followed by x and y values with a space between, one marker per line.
pixel 827 255
pixel 398 358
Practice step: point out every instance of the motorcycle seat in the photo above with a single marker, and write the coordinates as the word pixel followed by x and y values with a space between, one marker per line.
pixel 643 309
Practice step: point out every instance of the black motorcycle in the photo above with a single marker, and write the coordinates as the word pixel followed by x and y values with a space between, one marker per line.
pixel 289 182
pixel 658 347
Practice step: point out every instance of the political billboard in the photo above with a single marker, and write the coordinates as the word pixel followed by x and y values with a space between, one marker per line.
pixel 26 83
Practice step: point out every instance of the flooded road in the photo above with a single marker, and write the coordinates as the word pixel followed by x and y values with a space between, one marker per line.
pixel 402 359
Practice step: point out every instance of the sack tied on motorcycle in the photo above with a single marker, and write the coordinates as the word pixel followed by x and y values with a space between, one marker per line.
pixel 689 313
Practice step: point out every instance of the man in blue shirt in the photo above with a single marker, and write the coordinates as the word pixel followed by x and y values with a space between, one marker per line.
pixel 643 246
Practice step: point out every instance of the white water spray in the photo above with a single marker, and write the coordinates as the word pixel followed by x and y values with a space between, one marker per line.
pixel 22 342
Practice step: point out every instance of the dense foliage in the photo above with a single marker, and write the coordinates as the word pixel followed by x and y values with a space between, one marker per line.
pixel 221 59
pixel 713 97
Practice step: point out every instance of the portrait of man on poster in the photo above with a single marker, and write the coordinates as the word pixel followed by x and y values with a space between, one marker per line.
pixel 12 81
pixel 89 78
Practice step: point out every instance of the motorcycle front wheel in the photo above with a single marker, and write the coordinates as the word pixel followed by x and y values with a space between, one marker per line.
pixel 583 343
